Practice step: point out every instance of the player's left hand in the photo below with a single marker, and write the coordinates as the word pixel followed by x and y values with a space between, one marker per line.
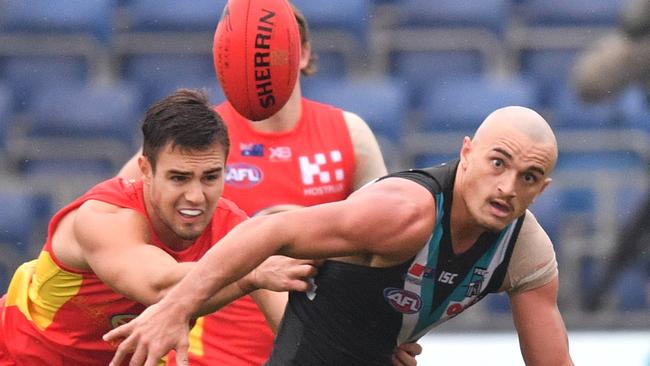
pixel 150 336
pixel 279 273
pixel 404 354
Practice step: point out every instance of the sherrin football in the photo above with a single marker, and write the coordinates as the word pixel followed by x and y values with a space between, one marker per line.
pixel 256 54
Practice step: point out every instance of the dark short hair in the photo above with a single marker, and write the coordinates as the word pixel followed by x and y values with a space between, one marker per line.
pixel 187 120
pixel 305 38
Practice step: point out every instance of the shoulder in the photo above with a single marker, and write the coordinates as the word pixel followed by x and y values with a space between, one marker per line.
pixel 533 262
pixel 355 123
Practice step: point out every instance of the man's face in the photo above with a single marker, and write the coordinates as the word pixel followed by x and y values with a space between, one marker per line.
pixel 184 190
pixel 502 176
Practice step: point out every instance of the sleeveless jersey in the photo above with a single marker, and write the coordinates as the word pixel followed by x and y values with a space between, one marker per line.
pixel 358 314
pixel 55 315
pixel 311 164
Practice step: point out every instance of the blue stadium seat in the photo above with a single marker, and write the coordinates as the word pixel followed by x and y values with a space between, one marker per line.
pixel 492 15
pixel 72 122
pixel 615 160
pixel 92 17
pixel 549 212
pixel 571 12
pixel 549 67
pixel 380 102
pixel 21 213
pixel 46 169
pixel 340 33
pixel 26 74
pixel 635 109
pixel 6 113
pixel 350 17
pixel 570 112
pixel 422 69
pixel 629 200
pixel 630 289
pixel 88 110
pixel 462 104
pixel 172 15
pixel 159 75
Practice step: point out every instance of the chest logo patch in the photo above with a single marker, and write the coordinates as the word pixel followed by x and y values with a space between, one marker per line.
pixel 242 175
pixel 121 319
pixel 404 301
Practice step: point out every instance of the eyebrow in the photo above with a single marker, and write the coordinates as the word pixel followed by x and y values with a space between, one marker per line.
pixel 509 156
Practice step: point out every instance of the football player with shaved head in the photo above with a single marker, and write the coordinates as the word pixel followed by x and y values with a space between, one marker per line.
pixel 404 254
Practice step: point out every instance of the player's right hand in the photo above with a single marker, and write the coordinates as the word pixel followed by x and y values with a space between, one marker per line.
pixel 150 336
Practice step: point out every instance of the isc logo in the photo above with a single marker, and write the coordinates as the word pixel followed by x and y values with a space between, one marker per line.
pixel 406 302
pixel 243 175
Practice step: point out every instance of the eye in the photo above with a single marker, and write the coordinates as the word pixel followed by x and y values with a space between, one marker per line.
pixel 211 177
pixel 178 178
pixel 497 163
pixel 530 178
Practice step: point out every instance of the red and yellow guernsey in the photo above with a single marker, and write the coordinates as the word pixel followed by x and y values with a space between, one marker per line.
pixel 55 315
pixel 312 163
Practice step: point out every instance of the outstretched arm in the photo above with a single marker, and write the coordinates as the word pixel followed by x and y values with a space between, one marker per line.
pixel 542 335
pixel 390 219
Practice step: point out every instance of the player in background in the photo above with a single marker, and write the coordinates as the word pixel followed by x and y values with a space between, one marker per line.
pixel 307 153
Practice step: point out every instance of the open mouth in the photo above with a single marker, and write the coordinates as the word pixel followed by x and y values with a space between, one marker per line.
pixel 500 209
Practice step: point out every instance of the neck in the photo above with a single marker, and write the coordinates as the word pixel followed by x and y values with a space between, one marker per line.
pixel 464 230
pixel 286 118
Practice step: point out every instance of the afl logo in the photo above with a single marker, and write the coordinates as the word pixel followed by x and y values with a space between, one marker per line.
pixel 242 175
pixel 406 302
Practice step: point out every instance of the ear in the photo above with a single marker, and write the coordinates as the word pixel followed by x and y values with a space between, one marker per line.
pixel 547 181
pixel 145 168
pixel 465 151
pixel 305 55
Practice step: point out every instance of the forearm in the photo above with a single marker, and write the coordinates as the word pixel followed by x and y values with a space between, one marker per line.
pixel 232 258
pixel 225 296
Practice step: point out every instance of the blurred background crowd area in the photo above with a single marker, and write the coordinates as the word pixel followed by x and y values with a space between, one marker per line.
pixel 76 76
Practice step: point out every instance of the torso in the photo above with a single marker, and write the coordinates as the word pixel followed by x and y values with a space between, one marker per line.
pixel 60 311
pixel 363 312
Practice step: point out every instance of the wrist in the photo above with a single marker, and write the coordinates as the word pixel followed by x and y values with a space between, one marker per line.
pixel 247 284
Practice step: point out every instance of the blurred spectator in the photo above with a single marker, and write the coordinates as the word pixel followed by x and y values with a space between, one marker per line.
pixel 618 59
pixel 610 65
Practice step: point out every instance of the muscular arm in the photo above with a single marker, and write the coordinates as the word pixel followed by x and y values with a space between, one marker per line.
pixel 369 162
pixel 114 244
pixel 541 331
pixel 390 219
pixel 387 222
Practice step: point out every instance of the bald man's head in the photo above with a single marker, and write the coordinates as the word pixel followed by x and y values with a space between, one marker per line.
pixel 504 167
pixel 519 119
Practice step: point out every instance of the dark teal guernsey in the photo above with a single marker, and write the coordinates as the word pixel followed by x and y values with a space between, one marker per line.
pixel 357 314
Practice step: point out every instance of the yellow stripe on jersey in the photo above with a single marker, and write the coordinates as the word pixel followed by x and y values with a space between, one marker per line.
pixel 39 288
pixel 196 338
